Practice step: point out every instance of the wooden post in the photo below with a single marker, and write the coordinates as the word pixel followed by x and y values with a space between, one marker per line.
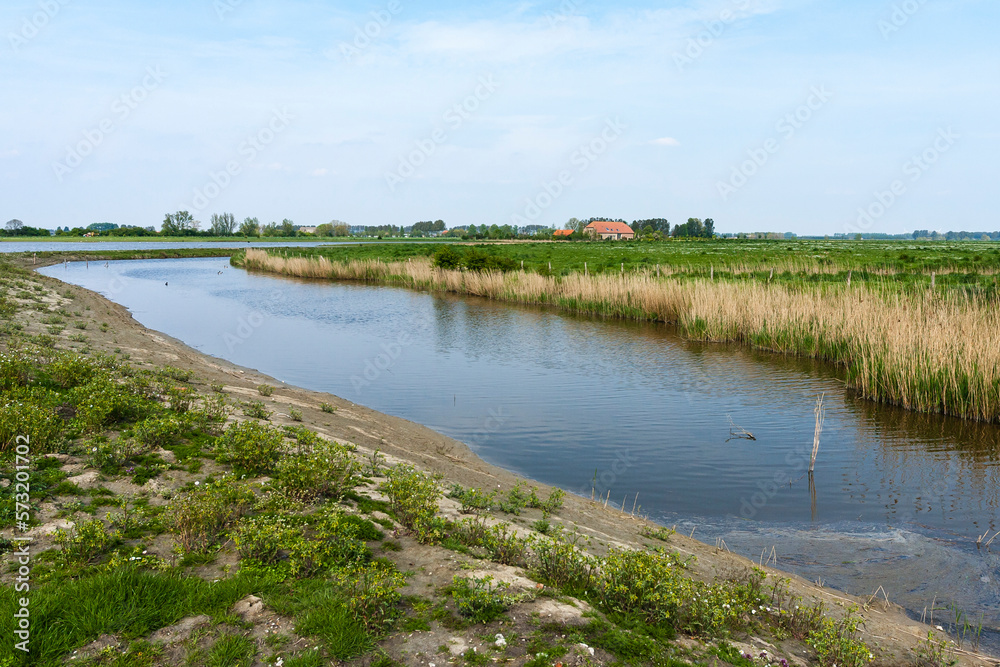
pixel 585 272
pixel 849 277
pixel 932 280
pixel 657 270
pixel 550 267
pixel 623 268
pixel 771 277
pixel 522 265
pixel 711 272
pixel 819 429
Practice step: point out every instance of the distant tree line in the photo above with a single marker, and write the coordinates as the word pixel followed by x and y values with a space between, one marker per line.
pixel 17 228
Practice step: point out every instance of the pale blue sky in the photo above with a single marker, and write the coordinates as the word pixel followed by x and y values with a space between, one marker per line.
pixel 675 100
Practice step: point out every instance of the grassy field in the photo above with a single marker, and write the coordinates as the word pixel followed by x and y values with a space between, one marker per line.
pixel 903 263
pixel 868 307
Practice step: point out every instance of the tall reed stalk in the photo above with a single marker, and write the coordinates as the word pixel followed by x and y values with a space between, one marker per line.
pixel 926 351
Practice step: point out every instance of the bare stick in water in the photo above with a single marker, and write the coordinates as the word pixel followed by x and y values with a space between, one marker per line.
pixel 820 413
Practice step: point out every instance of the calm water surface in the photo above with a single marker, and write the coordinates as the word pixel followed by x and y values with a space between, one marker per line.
pixel 620 408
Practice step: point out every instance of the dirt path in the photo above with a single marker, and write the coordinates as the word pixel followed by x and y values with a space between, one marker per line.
pixel 885 626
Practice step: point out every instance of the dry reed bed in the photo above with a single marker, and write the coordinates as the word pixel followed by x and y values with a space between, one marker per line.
pixel 925 351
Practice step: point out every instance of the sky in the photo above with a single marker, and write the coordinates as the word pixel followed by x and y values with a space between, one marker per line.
pixel 804 116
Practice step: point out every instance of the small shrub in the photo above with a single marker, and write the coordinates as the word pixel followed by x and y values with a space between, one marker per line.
pixel 838 643
pixel 648 584
pixel 16 370
pixel 218 387
pixel 181 398
pixel 542 526
pixel 413 498
pixel 559 563
pixel 157 432
pixel 372 592
pixel 103 402
pixel 86 542
pixel 178 374
pixel 70 370
pixel 328 471
pixel 326 407
pixel 199 517
pixel 473 500
pixel 265 389
pixel 111 456
pixel 32 419
pixel 662 534
pixel 503 545
pixel 480 600
pixel 295 414
pixel 256 410
pixel 447 257
pixel 262 538
pixel 250 446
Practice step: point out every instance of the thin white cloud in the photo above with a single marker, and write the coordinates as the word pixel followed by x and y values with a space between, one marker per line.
pixel 319 172
pixel 665 141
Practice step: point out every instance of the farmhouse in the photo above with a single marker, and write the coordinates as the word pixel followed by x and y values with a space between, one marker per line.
pixel 562 232
pixel 609 230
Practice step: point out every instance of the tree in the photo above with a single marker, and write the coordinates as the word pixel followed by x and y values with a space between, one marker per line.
pixel 287 228
pixel 326 229
pixel 341 230
pixel 222 225
pixel 709 231
pixel 176 224
pixel 101 226
pixel 250 227
pixel 14 225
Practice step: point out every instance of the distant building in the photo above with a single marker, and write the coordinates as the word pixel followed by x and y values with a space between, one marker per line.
pixel 307 230
pixel 563 232
pixel 609 230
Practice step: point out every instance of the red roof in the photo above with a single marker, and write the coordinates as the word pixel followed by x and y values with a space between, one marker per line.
pixel 563 232
pixel 604 227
